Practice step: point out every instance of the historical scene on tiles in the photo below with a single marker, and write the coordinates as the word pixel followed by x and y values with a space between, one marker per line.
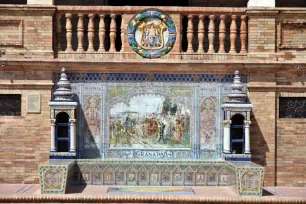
pixel 150 116
pixel 159 117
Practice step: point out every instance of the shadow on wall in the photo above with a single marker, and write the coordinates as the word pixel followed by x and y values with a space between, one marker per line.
pixel 89 131
pixel 259 147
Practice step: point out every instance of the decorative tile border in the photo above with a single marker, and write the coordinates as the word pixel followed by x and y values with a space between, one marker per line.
pixel 62 155
pixel 237 157
pixel 55 175
pixel 140 77
pixel 186 199
pixel 154 173
pixel 249 178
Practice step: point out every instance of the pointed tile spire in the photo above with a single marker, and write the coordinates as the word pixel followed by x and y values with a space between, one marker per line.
pixel 237 95
pixel 63 91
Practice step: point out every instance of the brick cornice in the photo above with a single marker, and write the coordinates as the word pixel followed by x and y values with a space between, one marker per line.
pixel 274 88
pixel 28 8
pixel 26 85
pixel 262 12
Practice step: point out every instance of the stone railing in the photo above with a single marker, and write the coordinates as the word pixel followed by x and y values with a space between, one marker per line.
pixel 101 32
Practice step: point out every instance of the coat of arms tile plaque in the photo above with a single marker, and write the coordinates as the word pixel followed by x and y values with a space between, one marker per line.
pixel 151 34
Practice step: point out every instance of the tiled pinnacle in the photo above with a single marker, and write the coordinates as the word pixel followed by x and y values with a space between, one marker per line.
pixel 63 91
pixel 237 95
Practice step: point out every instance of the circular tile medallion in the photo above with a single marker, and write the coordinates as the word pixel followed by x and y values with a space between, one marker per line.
pixel 151 34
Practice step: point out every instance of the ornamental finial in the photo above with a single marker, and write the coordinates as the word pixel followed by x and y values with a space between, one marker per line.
pixel 237 95
pixel 63 91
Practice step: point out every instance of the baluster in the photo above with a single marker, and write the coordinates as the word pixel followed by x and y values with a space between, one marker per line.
pixel 113 29
pixel 122 34
pixel 190 34
pixel 58 31
pixel 69 32
pixel 222 32
pixel 80 32
pixel 101 33
pixel 91 32
pixel 243 34
pixel 201 33
pixel 211 33
pixel 233 30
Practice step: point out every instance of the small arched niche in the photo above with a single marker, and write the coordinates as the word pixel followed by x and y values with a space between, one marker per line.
pixel 62 132
pixel 237 134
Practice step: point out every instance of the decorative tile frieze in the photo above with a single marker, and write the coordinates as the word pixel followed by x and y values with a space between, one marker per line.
pixel 154 173
pixel 139 77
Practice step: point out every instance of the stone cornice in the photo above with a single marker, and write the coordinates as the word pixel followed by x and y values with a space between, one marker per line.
pixel 136 9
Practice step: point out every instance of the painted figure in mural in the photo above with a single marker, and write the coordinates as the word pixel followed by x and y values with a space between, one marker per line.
pixel 112 129
pixel 118 132
pixel 201 177
pixel 128 127
pixel 152 34
pixel 161 127
pixel 150 121
pixel 179 129
pixel 92 115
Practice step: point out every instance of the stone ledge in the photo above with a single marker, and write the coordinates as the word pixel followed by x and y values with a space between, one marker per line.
pixel 143 199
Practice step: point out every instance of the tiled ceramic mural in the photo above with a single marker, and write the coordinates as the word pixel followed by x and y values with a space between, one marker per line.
pixel 154 120
pixel 208 120
pixel 150 116
pixel 92 115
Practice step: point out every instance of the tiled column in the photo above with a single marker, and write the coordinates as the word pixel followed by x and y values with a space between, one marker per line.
pixel 227 136
pixel 52 125
pixel 247 137
pixel 72 124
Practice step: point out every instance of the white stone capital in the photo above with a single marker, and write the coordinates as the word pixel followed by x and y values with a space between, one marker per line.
pixel 261 3
pixel 41 2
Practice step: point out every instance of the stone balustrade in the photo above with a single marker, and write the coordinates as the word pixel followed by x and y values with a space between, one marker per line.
pixel 87 33
pixel 101 32
pixel 215 34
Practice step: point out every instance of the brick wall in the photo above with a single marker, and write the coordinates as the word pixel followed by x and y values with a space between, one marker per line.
pixel 26 32
pixel 278 144
pixel 261 36
pixel 291 143
pixel 25 139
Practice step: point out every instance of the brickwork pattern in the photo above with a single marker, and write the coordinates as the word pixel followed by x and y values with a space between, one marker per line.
pixel 25 139
pixel 291 142
pixel 30 33
pixel 263 133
